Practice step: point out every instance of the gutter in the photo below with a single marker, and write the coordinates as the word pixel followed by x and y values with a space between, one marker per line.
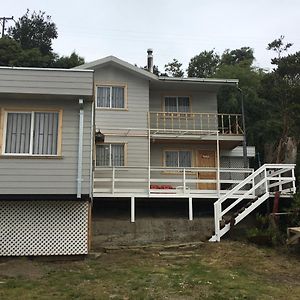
pixel 80 149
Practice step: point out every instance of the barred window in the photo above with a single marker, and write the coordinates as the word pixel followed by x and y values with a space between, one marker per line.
pixel 110 155
pixel 33 133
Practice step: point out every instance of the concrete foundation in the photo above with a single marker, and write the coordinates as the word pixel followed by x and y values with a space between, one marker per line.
pixel 156 222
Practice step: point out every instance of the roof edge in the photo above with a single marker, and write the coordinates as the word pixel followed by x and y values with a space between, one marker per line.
pixel 44 69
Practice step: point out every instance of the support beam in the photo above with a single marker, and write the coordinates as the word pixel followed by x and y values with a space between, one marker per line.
pixel 190 208
pixel 132 210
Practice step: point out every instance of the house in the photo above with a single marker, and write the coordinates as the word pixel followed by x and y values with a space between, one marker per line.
pixel 46 122
pixel 110 130
pixel 163 137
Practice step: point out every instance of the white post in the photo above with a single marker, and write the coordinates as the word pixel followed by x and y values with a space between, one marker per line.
pixel 149 156
pixel 280 184
pixel 132 211
pixel 266 181
pixel 218 166
pixel 113 180
pixel 217 221
pixel 184 181
pixel 190 208
pixel 294 182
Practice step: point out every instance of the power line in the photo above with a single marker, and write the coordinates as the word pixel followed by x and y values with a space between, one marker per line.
pixel 5 19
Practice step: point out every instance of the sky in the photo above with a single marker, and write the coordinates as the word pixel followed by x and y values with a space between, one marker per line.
pixel 177 29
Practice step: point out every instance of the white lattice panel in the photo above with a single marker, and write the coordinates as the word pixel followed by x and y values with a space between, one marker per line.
pixel 43 228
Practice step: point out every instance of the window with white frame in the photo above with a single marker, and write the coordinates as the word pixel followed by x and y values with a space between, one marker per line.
pixel 110 97
pixel 178 159
pixel 110 155
pixel 31 133
pixel 177 104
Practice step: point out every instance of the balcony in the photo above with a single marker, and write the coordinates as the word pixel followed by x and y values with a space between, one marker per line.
pixel 195 123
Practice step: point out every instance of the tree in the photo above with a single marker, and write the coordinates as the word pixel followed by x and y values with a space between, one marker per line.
pixel 68 62
pixel 12 54
pixel 281 89
pixel 243 55
pixel 34 31
pixel 278 46
pixel 204 65
pixel 29 44
pixel 173 69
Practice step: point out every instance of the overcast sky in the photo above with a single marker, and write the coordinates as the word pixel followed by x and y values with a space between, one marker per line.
pixel 173 28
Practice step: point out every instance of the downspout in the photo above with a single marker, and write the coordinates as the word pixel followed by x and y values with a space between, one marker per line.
pixel 92 152
pixel 245 158
pixel 80 146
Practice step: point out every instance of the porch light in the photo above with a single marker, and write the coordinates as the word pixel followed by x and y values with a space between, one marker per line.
pixel 99 137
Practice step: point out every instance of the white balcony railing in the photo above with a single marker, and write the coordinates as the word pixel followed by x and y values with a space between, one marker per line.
pixel 160 181
pixel 230 124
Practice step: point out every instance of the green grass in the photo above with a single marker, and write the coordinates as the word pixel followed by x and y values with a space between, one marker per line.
pixel 228 270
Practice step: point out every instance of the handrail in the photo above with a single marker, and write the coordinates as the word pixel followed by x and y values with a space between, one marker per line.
pixel 195 122
pixel 265 177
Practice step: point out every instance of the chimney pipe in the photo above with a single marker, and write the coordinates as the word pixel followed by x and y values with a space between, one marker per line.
pixel 150 60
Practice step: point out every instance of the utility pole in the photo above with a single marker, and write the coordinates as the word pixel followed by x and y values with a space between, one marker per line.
pixel 5 19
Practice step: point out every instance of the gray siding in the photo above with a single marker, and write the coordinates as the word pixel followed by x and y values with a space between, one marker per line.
pixel 201 102
pixel 51 82
pixel 137 96
pixel 50 176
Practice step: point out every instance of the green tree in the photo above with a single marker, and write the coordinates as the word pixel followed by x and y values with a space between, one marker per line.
pixel 281 89
pixel 34 31
pixel 243 55
pixel 204 65
pixel 173 68
pixel 68 62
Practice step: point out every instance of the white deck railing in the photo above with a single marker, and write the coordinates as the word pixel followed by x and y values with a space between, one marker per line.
pixel 162 181
pixel 179 121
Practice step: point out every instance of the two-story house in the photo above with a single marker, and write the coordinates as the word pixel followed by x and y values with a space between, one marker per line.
pixel 108 129
pixel 162 137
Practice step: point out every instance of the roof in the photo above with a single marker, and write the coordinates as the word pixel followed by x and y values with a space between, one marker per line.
pixel 123 64
pixel 114 60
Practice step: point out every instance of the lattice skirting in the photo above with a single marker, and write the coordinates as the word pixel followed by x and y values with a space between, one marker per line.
pixel 43 228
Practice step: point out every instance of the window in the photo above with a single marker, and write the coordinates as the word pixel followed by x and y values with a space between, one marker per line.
pixel 178 159
pixel 110 97
pixel 110 155
pixel 177 104
pixel 31 133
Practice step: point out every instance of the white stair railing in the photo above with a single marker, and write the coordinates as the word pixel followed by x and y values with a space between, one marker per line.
pixel 265 181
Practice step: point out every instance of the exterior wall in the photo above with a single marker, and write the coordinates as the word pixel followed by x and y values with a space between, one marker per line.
pixel 45 81
pixel 135 115
pixel 201 102
pixel 56 175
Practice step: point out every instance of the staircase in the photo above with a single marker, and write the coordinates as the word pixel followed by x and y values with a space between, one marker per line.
pixel 261 184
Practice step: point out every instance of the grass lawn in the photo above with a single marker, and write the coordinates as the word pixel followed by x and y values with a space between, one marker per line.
pixel 228 270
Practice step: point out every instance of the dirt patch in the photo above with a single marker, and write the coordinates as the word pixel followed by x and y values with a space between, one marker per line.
pixel 23 267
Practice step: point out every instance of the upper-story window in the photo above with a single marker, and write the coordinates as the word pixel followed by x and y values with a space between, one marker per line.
pixel 177 104
pixel 31 133
pixel 110 97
